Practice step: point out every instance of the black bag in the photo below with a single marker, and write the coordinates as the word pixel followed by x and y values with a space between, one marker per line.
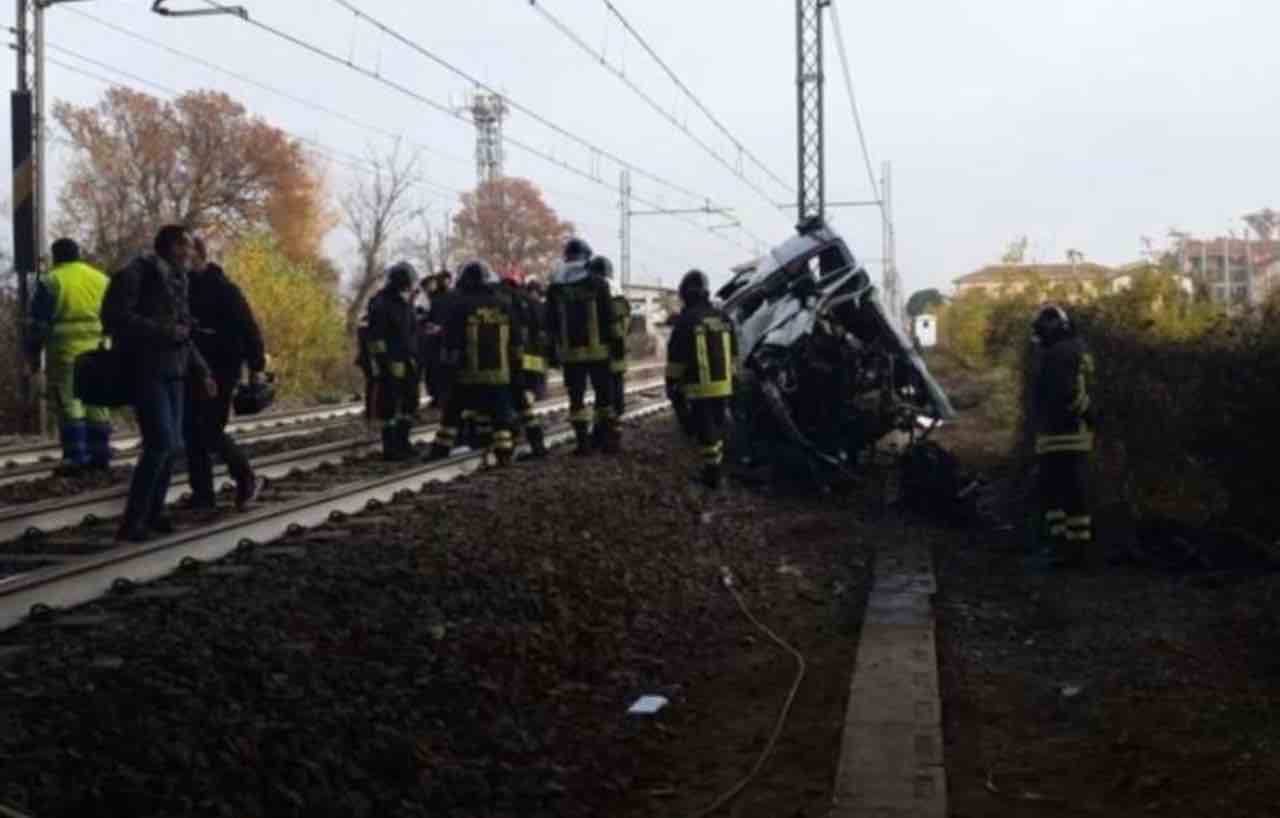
pixel 251 398
pixel 101 377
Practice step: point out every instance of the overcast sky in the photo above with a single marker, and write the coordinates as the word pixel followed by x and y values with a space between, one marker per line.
pixel 1082 123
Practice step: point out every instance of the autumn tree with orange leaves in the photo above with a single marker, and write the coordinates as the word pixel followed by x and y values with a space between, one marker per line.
pixel 198 160
pixel 507 223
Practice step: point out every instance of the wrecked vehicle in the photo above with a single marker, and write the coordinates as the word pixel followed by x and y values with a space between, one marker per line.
pixel 824 372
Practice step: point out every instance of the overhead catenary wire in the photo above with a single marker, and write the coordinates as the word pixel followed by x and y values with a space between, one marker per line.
pixel 742 149
pixel 438 191
pixel 853 104
pixel 446 110
pixel 601 58
pixel 300 100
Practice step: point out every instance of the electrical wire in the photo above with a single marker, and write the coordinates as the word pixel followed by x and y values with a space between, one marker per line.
pixel 726 578
pixel 409 92
pixel 694 98
pixel 599 57
pixel 303 101
pixel 853 103
pixel 437 191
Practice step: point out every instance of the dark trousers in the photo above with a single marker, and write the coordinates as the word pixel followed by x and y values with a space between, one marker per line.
pixel 576 377
pixel 205 432
pixel 157 404
pixel 619 395
pixel 524 394
pixel 491 406
pixel 708 417
pixel 398 398
pixel 1063 497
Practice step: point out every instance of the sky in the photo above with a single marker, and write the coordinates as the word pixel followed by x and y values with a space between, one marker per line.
pixel 1082 124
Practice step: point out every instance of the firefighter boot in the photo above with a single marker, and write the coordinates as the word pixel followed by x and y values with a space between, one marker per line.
pixel 613 438
pixel 537 443
pixel 404 430
pixel 581 433
pixel 503 447
pixel 389 442
pixel 711 476
pixel 600 434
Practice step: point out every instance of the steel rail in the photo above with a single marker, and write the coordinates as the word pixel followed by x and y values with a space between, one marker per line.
pixel 64 512
pixel 33 460
pixel 82 579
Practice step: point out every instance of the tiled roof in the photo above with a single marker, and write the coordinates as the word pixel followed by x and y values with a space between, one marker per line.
pixel 1000 272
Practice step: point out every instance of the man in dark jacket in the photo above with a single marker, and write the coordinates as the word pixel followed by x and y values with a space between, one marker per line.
pixel 701 367
pixel 1064 417
pixel 147 314
pixel 228 337
pixel 393 345
pixel 440 296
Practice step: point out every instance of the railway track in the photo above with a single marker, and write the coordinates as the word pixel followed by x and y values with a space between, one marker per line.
pixel 31 462
pixel 59 554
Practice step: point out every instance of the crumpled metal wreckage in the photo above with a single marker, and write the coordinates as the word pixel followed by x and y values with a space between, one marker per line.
pixel 824 373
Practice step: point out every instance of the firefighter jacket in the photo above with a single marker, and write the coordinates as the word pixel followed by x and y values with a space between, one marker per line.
pixel 66 312
pixel 1062 405
pixel 621 313
pixel 702 354
pixel 530 315
pixel 482 338
pixel 579 314
pixel 392 342
pixel 227 333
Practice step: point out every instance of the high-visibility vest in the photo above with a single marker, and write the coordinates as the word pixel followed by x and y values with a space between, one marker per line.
pixel 77 289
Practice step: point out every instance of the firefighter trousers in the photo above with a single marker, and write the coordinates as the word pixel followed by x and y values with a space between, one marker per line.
pixel 576 377
pixel 526 389
pixel 491 407
pixel 708 417
pixel 1063 498
pixel 397 401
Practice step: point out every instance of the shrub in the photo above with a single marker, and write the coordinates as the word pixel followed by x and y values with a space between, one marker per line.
pixel 301 317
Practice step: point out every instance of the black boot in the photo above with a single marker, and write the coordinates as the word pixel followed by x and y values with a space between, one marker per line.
pixel 404 437
pixel 613 439
pixel 391 450
pixel 711 476
pixel 581 433
pixel 537 443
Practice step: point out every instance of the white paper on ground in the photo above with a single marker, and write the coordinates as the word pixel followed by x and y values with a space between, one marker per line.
pixel 646 705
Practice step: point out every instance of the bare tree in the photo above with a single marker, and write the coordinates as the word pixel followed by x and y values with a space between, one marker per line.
pixel 376 212
pixel 426 245
pixel 1264 222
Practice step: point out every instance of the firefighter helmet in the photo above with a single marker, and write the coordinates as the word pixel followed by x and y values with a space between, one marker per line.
pixel 694 287
pixel 1050 325
pixel 401 276
pixel 575 249
pixel 600 266
pixel 476 274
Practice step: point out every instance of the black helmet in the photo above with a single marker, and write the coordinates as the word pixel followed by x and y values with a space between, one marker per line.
pixel 401 275
pixel 1050 325
pixel 476 274
pixel 575 249
pixel 600 266
pixel 694 287
pixel 251 398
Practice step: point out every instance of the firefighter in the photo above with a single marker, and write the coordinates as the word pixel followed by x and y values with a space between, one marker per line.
pixel 1064 434
pixel 65 322
pixel 701 364
pixel 530 367
pixel 391 344
pixel 437 376
pixel 580 331
pixel 609 434
pixel 481 346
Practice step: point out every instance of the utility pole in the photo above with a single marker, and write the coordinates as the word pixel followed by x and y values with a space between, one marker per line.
pixel 488 112
pixel 811 169
pixel 26 217
pixel 624 228
pixel 890 283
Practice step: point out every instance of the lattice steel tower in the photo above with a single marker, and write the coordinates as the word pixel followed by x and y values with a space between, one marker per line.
pixel 487 112
pixel 811 160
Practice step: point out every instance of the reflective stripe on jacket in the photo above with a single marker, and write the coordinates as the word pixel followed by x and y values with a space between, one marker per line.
pixel 702 353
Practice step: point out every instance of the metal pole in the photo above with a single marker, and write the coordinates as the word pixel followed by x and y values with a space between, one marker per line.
pixel 39 123
pixel 624 230
pixel 25 249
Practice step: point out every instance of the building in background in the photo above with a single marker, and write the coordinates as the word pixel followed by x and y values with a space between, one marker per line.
pixel 1010 279
pixel 1235 272
pixel 653 302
